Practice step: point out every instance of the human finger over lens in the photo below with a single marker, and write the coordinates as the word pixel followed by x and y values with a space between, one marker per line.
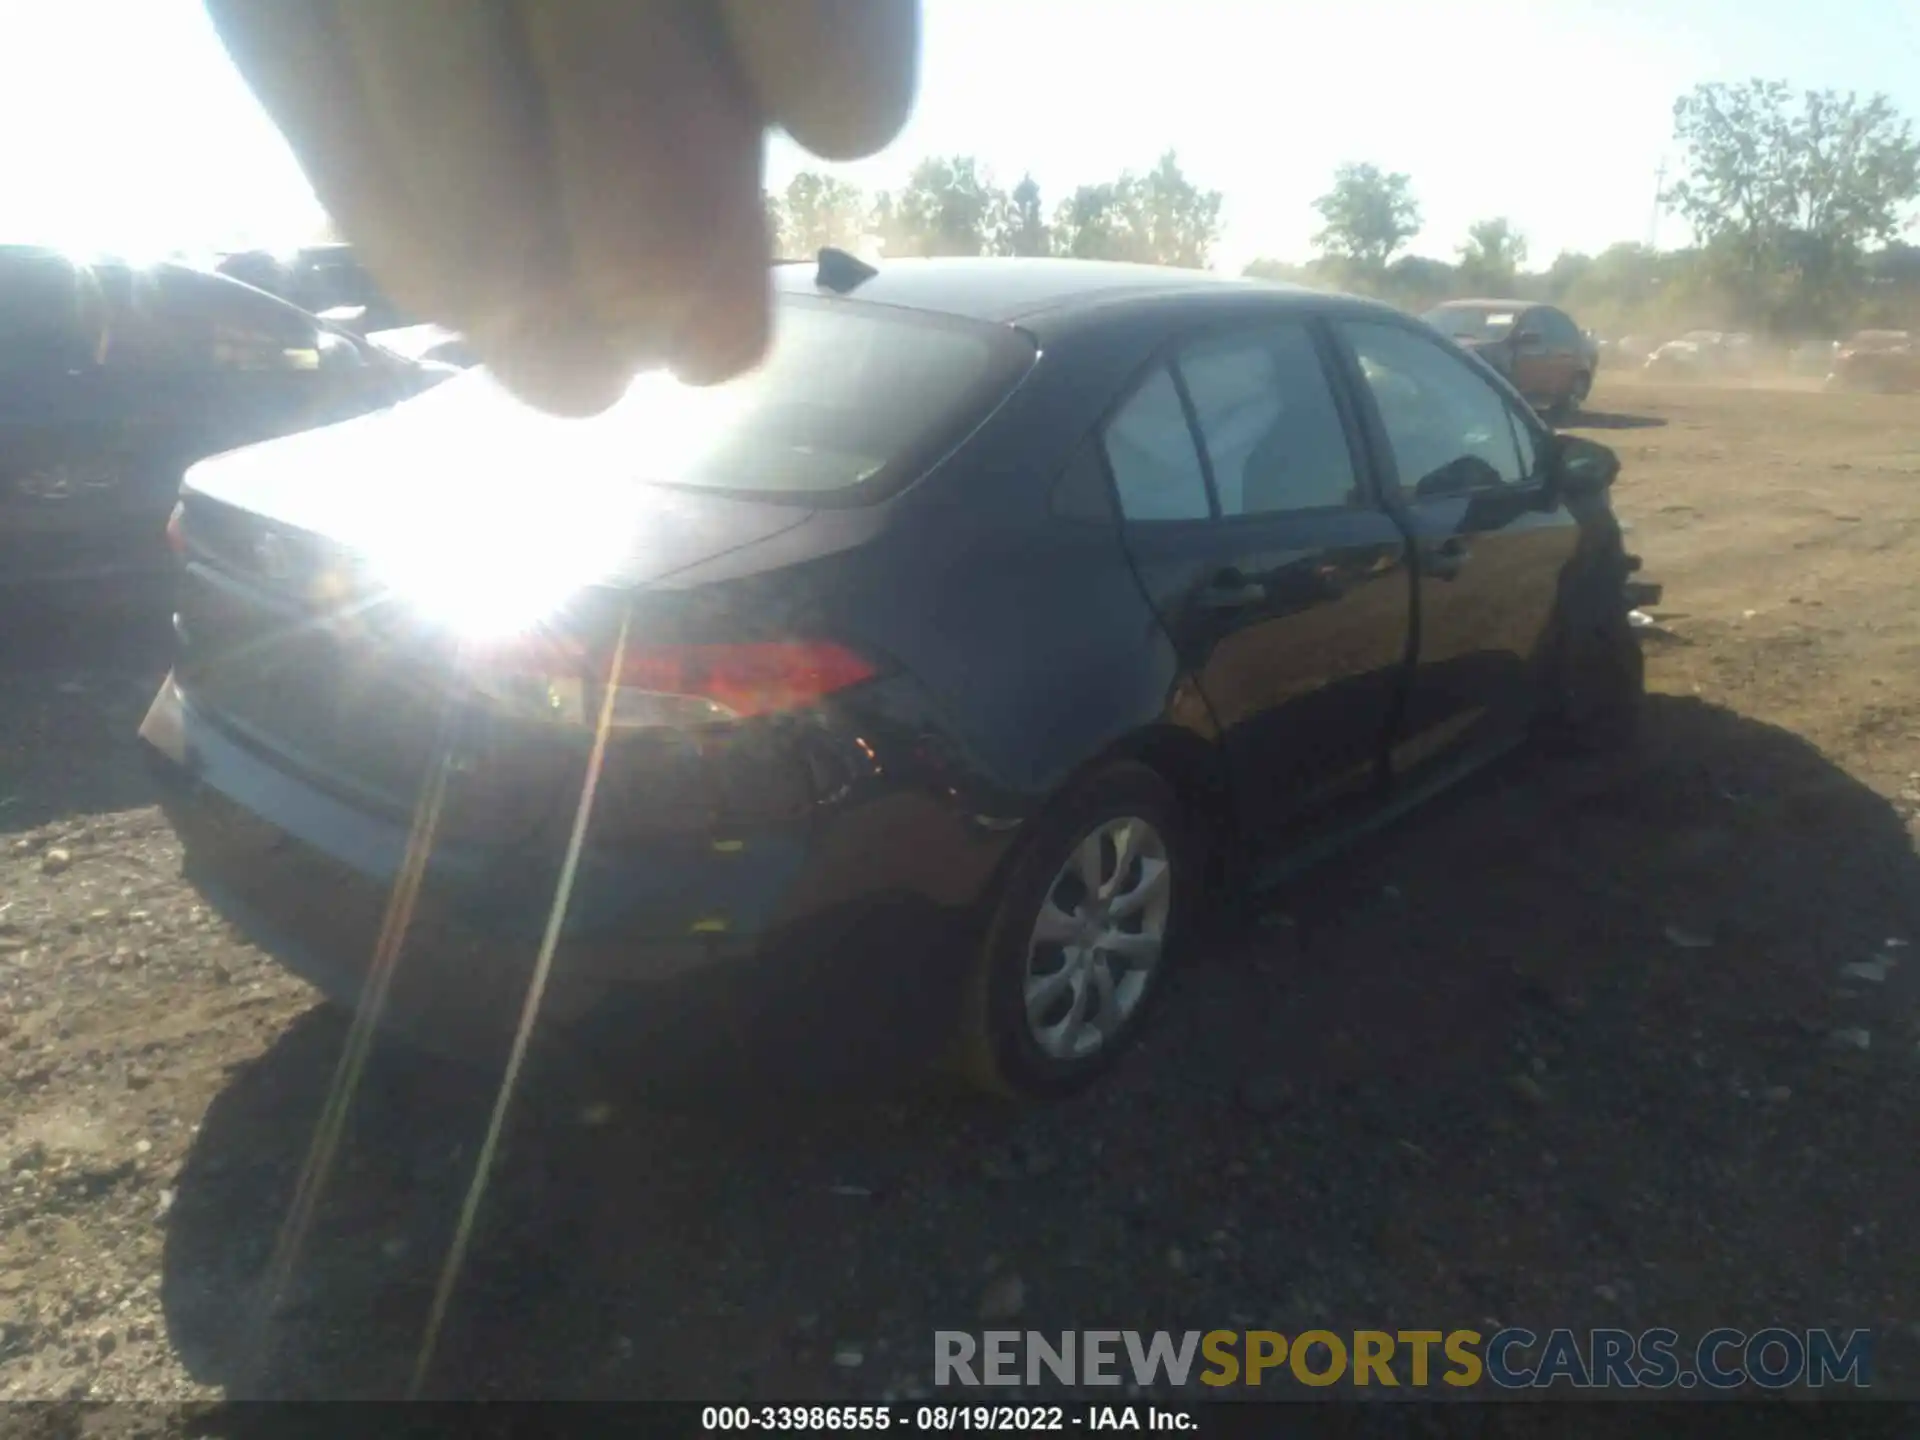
pixel 573 184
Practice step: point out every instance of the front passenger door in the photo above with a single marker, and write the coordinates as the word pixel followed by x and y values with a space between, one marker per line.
pixel 1489 548
pixel 1281 582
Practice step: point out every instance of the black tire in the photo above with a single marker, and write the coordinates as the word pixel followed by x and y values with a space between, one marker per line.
pixel 1600 681
pixel 997 1050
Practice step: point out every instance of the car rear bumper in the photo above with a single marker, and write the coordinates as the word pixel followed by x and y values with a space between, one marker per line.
pixel 687 951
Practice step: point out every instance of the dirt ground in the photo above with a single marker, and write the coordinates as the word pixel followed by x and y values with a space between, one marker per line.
pixel 1580 1046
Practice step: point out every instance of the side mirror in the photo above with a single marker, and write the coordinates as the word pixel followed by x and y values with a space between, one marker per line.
pixel 1460 476
pixel 1582 467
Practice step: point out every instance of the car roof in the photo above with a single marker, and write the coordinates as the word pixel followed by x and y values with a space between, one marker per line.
pixel 1491 305
pixel 120 271
pixel 75 260
pixel 1003 290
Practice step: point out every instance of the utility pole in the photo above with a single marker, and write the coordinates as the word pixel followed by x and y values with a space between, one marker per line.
pixel 1653 220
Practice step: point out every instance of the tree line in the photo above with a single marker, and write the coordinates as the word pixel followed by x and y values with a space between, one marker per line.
pixel 1796 199
pixel 950 205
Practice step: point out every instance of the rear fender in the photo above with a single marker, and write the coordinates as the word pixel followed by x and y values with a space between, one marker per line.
pixel 1191 763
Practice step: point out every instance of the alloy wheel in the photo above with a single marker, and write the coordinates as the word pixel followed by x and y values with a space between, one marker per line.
pixel 1097 942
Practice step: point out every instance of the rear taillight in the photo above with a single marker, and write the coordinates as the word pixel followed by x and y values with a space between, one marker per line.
pixel 674 685
pixel 176 531
pixel 740 681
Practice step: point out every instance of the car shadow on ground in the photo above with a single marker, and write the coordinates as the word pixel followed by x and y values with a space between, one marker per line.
pixel 1561 1052
pixel 1605 420
pixel 76 676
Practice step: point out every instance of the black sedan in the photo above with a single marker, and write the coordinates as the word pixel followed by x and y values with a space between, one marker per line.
pixel 909 691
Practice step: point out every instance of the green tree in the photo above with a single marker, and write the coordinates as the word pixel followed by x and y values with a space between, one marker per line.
pixel 1569 269
pixel 949 207
pixel 1786 191
pixel 1281 272
pixel 1892 298
pixel 1179 223
pixel 1159 218
pixel 883 222
pixel 816 211
pixel 777 232
pixel 1417 283
pixel 1026 232
pixel 1629 288
pixel 1490 261
pixel 1095 222
pixel 1368 215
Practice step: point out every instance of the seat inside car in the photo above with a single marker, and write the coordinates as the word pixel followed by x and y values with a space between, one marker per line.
pixel 1301 463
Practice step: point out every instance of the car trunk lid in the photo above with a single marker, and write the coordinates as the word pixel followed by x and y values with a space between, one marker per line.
pixel 466 465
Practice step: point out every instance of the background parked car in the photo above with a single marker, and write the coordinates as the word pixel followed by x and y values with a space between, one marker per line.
pixel 324 280
pixel 1704 355
pixel 1537 347
pixel 114 378
pixel 1813 358
pixel 1688 357
pixel 1880 360
pixel 261 269
pixel 428 344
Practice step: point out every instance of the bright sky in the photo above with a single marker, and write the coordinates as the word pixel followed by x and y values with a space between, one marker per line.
pixel 123 127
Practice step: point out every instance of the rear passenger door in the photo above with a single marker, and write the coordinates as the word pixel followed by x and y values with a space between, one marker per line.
pixel 1250 521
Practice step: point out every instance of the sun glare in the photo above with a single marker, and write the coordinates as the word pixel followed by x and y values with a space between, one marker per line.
pixel 500 567
pixel 513 543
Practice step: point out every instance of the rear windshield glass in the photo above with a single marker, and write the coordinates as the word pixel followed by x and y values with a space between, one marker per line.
pixel 1471 324
pixel 851 398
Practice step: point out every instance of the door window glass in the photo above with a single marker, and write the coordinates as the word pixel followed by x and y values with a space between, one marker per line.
pixel 1523 440
pixel 1450 431
pixel 1269 422
pixel 175 319
pixel 1547 324
pixel 1156 469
